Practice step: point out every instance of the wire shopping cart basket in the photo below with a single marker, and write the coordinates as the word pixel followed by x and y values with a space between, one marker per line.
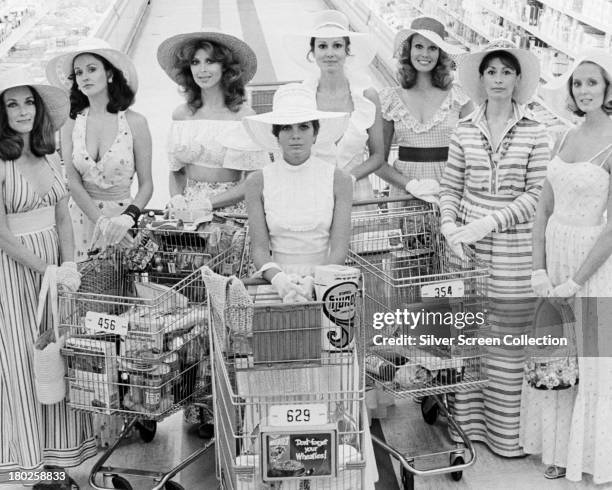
pixel 289 403
pixel 419 299
pixel 134 349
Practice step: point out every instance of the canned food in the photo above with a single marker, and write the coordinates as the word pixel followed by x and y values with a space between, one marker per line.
pixel 155 388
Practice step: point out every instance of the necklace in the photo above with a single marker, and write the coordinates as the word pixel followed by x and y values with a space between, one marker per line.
pixel 496 156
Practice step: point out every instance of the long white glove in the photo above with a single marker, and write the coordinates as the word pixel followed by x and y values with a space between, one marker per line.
pixel 68 276
pixel 566 289
pixel 449 230
pixel 117 228
pixel 424 189
pixel 98 239
pixel 475 231
pixel 540 283
pixel 286 288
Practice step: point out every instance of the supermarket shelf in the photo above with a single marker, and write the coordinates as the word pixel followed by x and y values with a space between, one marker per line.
pixel 457 16
pixel 597 24
pixel 23 29
pixel 456 37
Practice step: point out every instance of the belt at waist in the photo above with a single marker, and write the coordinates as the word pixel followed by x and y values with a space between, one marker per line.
pixel 112 194
pixel 34 221
pixel 314 258
pixel 575 223
pixel 412 154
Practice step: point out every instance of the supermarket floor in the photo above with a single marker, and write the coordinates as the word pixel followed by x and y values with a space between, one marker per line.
pixel 261 23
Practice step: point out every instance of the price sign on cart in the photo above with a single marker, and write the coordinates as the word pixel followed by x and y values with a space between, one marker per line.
pixel 290 415
pixel 111 324
pixel 447 289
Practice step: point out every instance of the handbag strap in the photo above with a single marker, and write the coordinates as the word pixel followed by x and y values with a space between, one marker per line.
pixel 49 288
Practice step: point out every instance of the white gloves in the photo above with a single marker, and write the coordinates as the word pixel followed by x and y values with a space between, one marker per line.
pixel 68 276
pixel 177 203
pixel 540 283
pixel 449 230
pixel 290 291
pixel 475 231
pixel 566 289
pixel 117 228
pixel 424 189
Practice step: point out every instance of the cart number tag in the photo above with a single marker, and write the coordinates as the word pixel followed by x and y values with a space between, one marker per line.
pixel 449 289
pixel 112 324
pixel 291 415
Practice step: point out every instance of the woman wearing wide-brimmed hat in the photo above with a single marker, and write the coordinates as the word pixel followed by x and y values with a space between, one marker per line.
pixel 572 259
pixel 35 237
pixel 208 151
pixel 423 111
pixel 337 59
pixel 104 143
pixel 489 191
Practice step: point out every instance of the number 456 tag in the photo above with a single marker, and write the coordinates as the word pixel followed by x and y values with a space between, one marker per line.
pixel 447 289
pixel 112 324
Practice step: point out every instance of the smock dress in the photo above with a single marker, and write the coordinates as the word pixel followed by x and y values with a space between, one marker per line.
pixel 108 181
pixel 30 433
pixel 214 144
pixel 573 430
pixel 351 150
pixel 506 184
pixel 426 144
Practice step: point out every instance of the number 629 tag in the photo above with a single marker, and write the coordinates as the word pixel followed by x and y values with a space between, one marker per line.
pixel 100 322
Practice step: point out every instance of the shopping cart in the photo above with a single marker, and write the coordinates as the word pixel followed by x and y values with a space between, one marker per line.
pixel 407 268
pixel 134 349
pixel 289 405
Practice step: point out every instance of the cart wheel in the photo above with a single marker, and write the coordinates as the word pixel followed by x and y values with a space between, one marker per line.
pixel 407 479
pixel 429 409
pixel 121 483
pixel 456 475
pixel 146 429
pixel 171 485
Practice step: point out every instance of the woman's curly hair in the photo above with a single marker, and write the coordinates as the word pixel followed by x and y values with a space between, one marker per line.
pixel 607 105
pixel 440 75
pixel 42 136
pixel 120 95
pixel 232 81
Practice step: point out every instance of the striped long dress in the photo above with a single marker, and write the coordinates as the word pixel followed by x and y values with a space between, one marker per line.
pixel 30 433
pixel 505 184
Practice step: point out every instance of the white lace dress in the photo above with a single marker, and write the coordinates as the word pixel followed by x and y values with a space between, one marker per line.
pixel 577 434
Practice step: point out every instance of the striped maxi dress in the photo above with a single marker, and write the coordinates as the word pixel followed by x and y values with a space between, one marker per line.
pixel 505 184
pixel 30 433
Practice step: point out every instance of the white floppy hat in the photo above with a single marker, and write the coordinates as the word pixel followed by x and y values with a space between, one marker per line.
pixel 429 28
pixel 60 67
pixel 469 79
pixel 168 51
pixel 330 24
pixel 55 99
pixel 294 103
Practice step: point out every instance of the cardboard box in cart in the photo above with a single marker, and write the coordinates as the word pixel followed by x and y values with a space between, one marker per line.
pixel 92 373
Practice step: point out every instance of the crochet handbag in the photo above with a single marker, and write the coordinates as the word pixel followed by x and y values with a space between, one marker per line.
pixel 49 370
pixel 552 367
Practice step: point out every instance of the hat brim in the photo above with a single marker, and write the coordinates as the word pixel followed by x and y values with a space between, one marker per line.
pixel 56 101
pixel 331 126
pixel 362 48
pixel 167 53
pixel 600 57
pixel 404 34
pixel 60 67
pixel 469 78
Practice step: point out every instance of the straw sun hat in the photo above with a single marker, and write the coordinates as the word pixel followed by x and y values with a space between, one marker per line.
pixel 168 51
pixel 55 99
pixel 292 104
pixel 330 24
pixel 432 30
pixel 469 78
pixel 60 68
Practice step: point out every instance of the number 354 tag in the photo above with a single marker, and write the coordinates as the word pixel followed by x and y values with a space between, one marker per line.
pixel 112 324
pixel 447 289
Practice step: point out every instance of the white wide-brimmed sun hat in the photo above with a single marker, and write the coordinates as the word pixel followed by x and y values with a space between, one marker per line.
pixel 60 68
pixel 470 81
pixel 55 99
pixel 292 104
pixel 169 50
pixel 330 24
pixel 431 29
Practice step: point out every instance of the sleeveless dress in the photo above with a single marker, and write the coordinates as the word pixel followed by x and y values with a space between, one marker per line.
pixel 30 433
pixel 213 144
pixel 107 181
pixel 571 427
pixel 351 150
